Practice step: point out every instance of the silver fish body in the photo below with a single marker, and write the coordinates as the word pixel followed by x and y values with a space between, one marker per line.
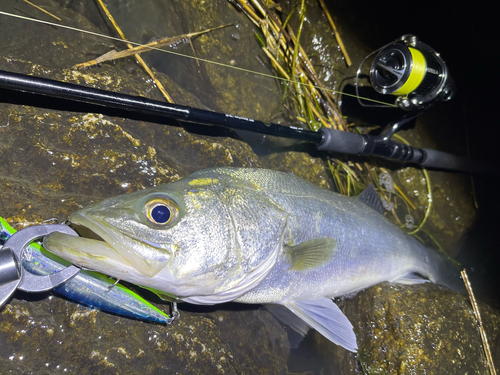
pixel 251 236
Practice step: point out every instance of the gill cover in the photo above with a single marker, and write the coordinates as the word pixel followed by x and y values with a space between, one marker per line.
pixel 254 227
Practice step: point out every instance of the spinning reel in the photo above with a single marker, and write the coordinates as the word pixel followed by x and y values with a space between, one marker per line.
pixel 413 72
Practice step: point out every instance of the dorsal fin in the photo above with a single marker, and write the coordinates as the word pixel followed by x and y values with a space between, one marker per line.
pixel 370 197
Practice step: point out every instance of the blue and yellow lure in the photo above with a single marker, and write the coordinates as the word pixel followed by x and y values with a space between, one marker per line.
pixel 88 288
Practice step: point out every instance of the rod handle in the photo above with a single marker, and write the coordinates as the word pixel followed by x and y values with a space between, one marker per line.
pixel 340 141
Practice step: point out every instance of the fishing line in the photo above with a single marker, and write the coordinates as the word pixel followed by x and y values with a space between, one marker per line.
pixel 386 66
pixel 187 56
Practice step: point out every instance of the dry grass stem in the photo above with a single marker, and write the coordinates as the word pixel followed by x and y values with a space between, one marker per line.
pixel 41 9
pixel 477 314
pixel 194 52
pixel 273 16
pixel 114 55
pixel 137 56
pixel 404 196
pixel 275 63
pixel 323 121
pixel 249 12
pixel 275 5
pixel 337 34
pixel 393 211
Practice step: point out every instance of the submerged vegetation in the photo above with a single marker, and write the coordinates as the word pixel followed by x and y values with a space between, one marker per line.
pixel 315 106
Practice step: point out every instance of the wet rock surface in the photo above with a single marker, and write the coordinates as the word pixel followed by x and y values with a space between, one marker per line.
pixel 420 329
pixel 56 157
pixel 56 336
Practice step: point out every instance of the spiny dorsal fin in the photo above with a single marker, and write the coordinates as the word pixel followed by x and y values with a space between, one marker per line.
pixel 370 197
pixel 311 254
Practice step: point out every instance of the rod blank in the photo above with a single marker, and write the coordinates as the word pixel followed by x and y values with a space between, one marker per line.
pixel 326 139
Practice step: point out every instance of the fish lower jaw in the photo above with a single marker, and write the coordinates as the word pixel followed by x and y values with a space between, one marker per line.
pixel 88 253
pixel 118 245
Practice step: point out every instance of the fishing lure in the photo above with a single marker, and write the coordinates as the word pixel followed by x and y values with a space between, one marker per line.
pixel 88 288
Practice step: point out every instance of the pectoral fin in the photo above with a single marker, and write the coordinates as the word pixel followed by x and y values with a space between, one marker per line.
pixel 311 254
pixel 324 316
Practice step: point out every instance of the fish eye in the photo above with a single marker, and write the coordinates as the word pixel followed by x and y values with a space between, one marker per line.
pixel 161 211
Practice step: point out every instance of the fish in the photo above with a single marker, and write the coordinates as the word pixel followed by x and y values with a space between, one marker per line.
pixel 87 288
pixel 252 236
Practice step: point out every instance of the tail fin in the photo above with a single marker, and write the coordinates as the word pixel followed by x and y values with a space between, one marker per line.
pixel 447 273
pixel 439 269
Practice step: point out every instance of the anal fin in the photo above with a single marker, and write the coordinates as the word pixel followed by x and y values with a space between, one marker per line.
pixel 324 316
pixel 410 279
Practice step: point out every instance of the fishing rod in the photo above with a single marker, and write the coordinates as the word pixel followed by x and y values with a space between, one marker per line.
pixel 326 139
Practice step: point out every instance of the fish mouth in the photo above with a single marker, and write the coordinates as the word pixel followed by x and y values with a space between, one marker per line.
pixel 102 248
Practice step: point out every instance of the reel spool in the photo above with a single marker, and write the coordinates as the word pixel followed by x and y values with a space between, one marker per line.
pixel 412 71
